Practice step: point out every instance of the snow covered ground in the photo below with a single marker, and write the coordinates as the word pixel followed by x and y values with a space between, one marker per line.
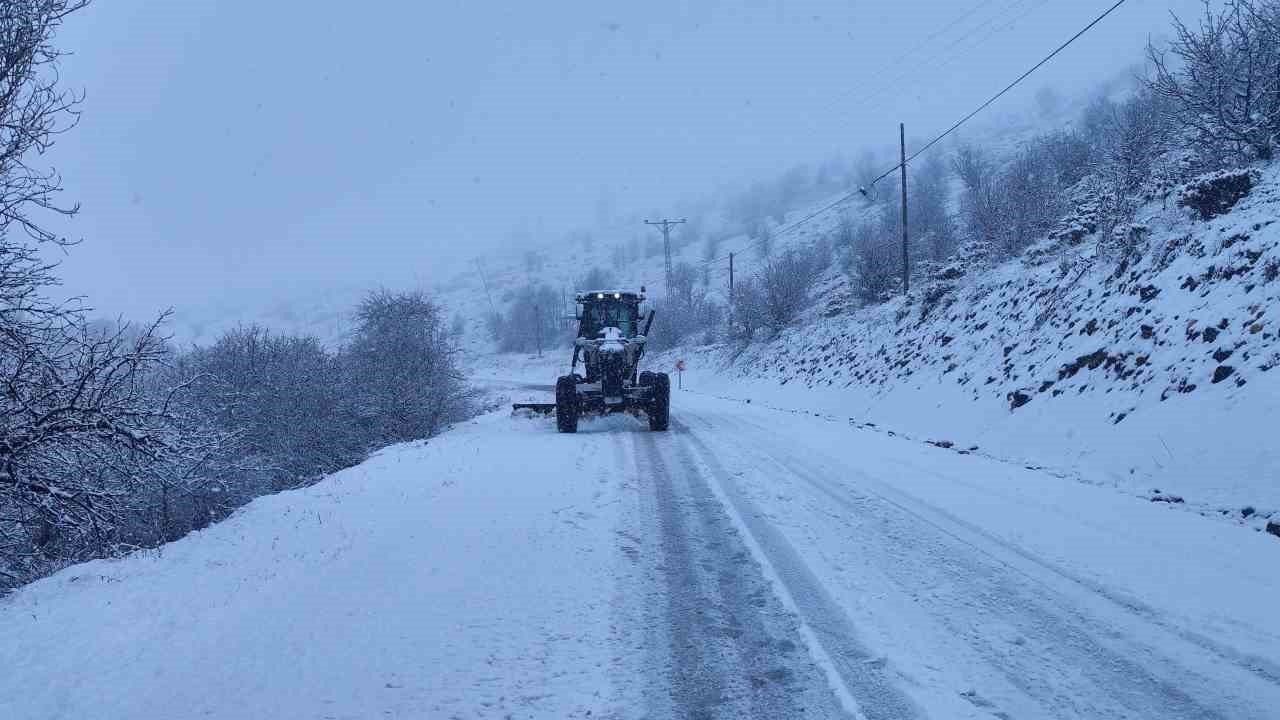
pixel 465 577
pixel 751 562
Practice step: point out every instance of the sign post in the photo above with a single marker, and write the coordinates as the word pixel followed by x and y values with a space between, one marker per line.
pixel 680 374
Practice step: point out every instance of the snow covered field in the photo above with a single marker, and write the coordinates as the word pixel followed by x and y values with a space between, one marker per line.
pixel 749 563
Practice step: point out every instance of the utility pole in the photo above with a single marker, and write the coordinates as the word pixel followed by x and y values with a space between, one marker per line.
pixel 906 270
pixel 537 324
pixel 731 276
pixel 485 282
pixel 666 241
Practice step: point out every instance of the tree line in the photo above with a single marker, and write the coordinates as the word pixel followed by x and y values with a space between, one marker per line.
pixel 111 439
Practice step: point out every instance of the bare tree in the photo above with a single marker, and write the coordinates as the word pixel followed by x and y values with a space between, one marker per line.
pixel 1071 154
pixel 747 314
pixel 786 279
pixel 34 110
pixel 874 265
pixel 980 203
pixel 932 224
pixel 1029 199
pixel 87 429
pixel 686 311
pixel 1225 82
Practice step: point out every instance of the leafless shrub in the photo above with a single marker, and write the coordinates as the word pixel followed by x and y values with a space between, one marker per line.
pixel 874 261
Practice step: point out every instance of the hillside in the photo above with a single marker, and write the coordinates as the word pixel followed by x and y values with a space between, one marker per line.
pixel 1151 375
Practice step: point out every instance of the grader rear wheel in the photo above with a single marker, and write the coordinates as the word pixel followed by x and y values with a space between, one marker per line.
pixel 566 404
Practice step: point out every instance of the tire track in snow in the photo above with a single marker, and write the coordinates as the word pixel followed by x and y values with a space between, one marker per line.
pixel 1263 668
pixel 859 674
pixel 732 649
pixel 1083 668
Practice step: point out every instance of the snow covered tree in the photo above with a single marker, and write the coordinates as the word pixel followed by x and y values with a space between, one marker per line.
pixel 786 279
pixel 932 227
pixel 33 111
pixel 402 368
pixel 1071 154
pixel 286 398
pixel 91 429
pixel 874 262
pixel 747 314
pixel 1224 79
pixel 686 311
pixel 1029 199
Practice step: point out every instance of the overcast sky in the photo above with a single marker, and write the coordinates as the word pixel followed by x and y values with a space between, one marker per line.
pixel 253 150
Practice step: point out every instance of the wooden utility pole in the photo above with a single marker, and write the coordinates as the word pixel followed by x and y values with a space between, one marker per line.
pixel 537 325
pixel 906 269
pixel 730 276
pixel 666 241
pixel 485 281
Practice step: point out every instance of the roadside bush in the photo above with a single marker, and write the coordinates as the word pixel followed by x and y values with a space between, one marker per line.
pixel 401 369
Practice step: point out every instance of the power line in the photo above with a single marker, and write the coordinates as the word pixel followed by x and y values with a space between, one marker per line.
pixel 784 230
pixel 937 56
pixel 894 85
pixel 1000 94
pixel 846 196
pixel 891 77
pixel 858 91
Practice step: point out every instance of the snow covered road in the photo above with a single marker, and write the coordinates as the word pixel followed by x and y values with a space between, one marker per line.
pixel 748 563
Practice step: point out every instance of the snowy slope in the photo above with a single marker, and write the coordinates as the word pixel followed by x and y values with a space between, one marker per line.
pixel 1157 378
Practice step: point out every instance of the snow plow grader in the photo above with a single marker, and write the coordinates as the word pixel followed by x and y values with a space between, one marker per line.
pixel 610 343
